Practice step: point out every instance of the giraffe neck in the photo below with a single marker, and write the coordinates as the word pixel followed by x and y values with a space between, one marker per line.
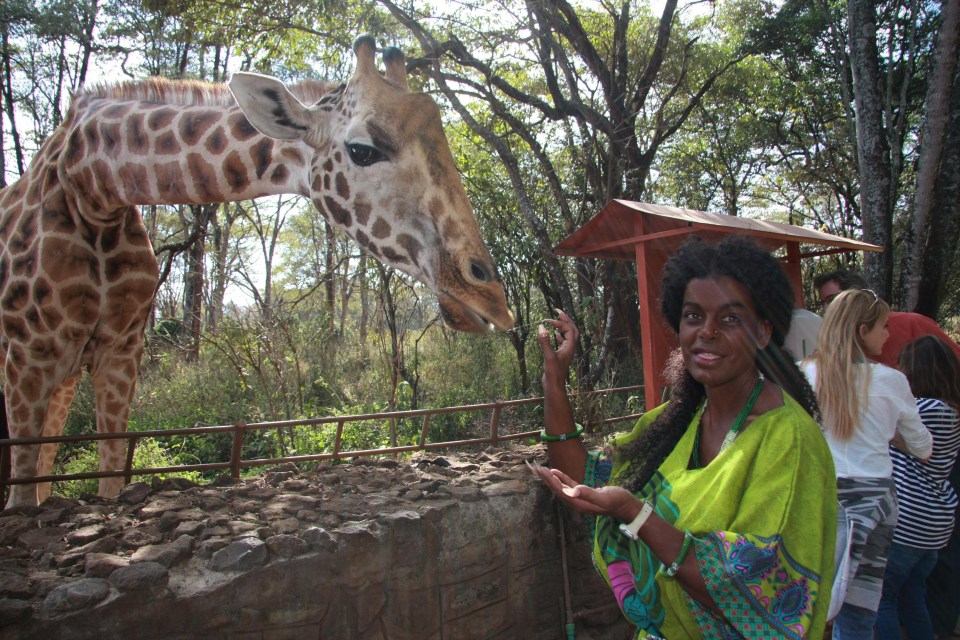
pixel 120 153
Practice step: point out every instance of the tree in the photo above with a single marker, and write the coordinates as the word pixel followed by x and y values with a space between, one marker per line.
pixel 607 86
pixel 930 165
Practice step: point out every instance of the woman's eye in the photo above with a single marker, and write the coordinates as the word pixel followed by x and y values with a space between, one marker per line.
pixel 364 155
pixel 731 320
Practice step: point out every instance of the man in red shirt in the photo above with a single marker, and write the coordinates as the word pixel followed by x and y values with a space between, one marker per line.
pixel 904 327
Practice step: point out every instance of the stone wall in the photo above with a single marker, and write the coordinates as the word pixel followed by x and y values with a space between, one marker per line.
pixel 436 548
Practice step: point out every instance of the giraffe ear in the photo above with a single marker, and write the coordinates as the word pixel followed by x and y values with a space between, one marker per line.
pixel 270 107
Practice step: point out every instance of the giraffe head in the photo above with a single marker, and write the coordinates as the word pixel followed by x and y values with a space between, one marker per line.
pixel 382 171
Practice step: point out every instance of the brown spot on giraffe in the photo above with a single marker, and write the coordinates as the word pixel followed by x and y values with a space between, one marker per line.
pixel 160 118
pixel 77 271
pixel 280 174
pixel 217 141
pixel 235 172
pixel 381 229
pixel 133 179
pixel 167 144
pixel 194 126
pixel 138 142
pixel 343 186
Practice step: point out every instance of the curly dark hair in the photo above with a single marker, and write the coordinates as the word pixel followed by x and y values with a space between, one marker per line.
pixel 738 258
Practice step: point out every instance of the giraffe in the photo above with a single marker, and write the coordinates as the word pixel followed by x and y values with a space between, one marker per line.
pixel 77 270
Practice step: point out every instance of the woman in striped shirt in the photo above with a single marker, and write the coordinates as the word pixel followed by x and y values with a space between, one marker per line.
pixel 926 499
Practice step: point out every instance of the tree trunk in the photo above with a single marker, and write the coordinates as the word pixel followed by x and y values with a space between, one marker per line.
pixel 194 280
pixel 873 149
pixel 8 105
pixel 938 101
pixel 945 217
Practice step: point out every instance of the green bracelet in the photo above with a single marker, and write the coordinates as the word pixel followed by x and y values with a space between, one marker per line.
pixel 684 548
pixel 576 433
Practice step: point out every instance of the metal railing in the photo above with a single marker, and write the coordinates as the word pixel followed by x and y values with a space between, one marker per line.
pixel 240 429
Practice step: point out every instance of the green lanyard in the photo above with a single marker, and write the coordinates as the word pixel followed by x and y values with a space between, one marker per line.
pixel 735 428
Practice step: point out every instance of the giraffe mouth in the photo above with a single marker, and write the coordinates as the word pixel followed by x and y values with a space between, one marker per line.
pixel 460 317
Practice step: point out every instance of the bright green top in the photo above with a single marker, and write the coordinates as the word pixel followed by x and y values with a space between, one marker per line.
pixel 763 514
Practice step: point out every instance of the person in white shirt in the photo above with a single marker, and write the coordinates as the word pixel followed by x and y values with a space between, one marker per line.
pixel 864 407
pixel 801 340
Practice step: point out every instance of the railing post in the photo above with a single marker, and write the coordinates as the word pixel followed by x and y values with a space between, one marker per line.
pixel 495 423
pixel 237 452
pixel 6 452
pixel 425 431
pixel 336 441
pixel 128 465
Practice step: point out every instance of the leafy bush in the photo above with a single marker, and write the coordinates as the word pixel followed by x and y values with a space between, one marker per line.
pixel 149 454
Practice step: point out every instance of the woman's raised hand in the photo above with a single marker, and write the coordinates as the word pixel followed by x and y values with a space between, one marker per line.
pixel 556 362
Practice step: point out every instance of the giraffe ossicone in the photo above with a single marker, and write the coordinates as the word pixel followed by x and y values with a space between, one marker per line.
pixel 78 273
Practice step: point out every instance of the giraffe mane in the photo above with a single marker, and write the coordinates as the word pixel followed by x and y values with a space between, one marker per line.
pixel 191 92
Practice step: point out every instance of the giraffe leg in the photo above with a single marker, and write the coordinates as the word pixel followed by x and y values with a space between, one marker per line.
pixel 53 426
pixel 114 381
pixel 26 389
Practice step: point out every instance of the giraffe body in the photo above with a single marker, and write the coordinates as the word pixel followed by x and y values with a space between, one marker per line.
pixel 78 273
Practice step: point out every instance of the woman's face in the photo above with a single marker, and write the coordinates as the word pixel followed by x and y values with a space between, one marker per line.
pixel 720 331
pixel 873 337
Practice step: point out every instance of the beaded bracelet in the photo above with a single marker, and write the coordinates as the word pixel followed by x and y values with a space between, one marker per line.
pixel 576 433
pixel 684 548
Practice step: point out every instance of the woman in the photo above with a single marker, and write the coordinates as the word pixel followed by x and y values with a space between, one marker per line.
pixel 864 406
pixel 716 515
pixel 926 500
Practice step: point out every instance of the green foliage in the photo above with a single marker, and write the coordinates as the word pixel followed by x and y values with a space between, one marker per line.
pixel 149 454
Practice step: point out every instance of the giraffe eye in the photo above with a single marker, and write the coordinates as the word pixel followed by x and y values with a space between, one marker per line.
pixel 364 155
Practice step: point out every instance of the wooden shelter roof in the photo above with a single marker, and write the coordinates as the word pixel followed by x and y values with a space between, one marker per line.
pixel 614 233
pixel 651 233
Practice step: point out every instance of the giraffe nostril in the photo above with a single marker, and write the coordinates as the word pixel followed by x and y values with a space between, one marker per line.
pixel 481 272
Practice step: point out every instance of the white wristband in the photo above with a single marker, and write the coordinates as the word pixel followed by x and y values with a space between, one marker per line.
pixel 632 529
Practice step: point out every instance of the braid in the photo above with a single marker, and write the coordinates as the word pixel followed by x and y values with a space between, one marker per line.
pixel 740 259
pixel 647 453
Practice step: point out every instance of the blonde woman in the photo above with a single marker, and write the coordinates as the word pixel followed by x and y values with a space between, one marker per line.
pixel 865 406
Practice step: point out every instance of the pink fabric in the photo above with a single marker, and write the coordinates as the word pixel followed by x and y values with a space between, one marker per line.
pixel 904 329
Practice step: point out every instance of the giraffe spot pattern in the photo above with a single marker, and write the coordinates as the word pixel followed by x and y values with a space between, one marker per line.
pixel 110 134
pixel 381 229
pixel 104 175
pixel 391 254
pixel 240 128
pixel 339 214
pixel 25 265
pixel 216 142
pixel 166 144
pixel 16 298
pixel 109 239
pixel 116 111
pixel 235 171
pixel 343 186
pixel 411 245
pixel 161 118
pixel 167 176
pixel 195 123
pixel 75 148
pixel 362 212
pixel 262 154
pixel 204 177
pixel 293 156
pixel 137 141
pixel 91 137
pixel 81 303
pixel 133 179
pixel 280 174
